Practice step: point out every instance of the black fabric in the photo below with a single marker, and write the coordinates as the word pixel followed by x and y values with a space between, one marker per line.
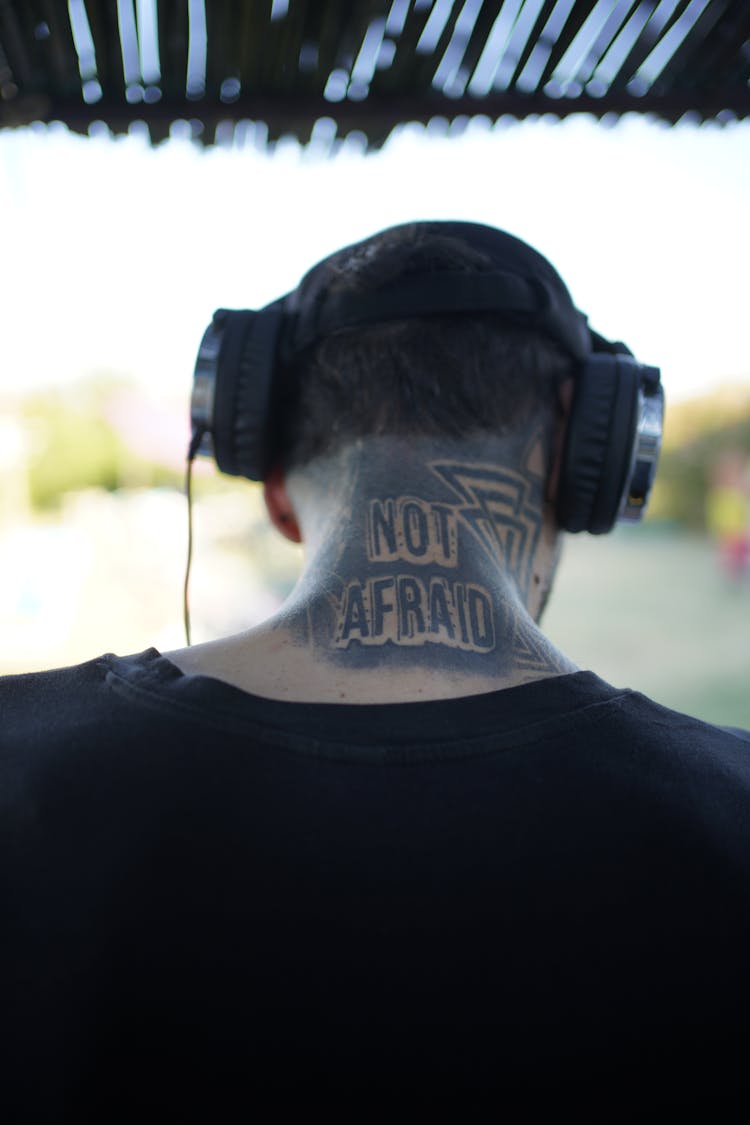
pixel 598 445
pixel 621 439
pixel 521 300
pixel 242 415
pixel 318 312
pixel 253 424
pixel 537 897
pixel 234 327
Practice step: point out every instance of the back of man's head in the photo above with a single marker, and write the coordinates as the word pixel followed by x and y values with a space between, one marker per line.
pixel 449 375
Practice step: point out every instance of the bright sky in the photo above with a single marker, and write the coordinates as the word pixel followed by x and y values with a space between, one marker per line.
pixel 114 255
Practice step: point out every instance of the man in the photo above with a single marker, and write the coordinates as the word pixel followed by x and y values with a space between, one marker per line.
pixel 391 844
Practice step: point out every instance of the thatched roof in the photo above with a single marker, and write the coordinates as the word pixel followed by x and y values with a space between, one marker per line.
pixel 366 65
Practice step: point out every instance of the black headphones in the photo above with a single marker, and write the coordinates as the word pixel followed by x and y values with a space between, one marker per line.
pixel 615 427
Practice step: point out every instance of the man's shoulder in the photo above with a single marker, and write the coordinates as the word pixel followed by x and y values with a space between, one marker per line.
pixel 645 712
pixel 48 681
pixel 577 712
pixel 37 703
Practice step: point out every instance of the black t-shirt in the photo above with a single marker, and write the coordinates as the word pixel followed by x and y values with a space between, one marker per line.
pixel 208 896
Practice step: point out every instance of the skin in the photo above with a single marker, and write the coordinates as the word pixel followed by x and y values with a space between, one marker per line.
pixel 427 566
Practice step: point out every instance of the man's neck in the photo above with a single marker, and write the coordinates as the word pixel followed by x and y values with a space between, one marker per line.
pixel 424 576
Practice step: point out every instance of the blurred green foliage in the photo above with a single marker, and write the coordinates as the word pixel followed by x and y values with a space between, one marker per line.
pixel 73 446
pixel 696 433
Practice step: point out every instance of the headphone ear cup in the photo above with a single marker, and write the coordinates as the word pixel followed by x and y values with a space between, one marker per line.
pixel 243 427
pixel 599 444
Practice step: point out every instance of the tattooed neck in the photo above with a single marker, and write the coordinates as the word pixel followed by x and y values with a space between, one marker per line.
pixel 425 557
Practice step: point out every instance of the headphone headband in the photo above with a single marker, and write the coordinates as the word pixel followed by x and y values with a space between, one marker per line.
pixel 526 300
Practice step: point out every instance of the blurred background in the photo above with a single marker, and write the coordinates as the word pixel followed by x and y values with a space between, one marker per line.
pixel 121 234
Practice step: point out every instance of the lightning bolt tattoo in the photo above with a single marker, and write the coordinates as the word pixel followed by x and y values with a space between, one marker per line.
pixel 501 509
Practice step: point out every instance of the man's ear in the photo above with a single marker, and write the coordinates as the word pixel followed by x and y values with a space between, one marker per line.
pixel 279 506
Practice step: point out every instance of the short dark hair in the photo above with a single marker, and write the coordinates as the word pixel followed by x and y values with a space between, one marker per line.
pixel 447 375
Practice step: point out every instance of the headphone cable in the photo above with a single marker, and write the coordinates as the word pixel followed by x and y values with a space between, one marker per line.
pixel 195 440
